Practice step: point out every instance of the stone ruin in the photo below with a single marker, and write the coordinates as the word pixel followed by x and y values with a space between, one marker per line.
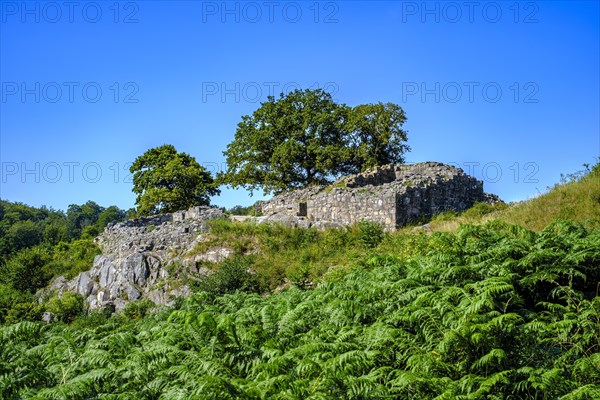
pixel 392 195
pixel 137 254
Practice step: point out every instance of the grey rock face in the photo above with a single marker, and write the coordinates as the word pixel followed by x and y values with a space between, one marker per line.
pixel 136 256
pixel 47 317
pixel 214 255
pixel 84 284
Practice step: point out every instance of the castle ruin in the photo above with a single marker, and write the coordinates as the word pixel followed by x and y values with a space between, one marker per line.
pixel 392 195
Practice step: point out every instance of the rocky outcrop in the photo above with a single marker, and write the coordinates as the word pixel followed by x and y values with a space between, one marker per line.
pixel 138 256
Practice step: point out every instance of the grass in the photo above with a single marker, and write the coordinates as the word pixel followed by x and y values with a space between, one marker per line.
pixel 576 198
pixel 282 255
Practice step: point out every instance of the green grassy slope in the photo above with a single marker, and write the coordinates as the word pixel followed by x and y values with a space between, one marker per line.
pixel 577 200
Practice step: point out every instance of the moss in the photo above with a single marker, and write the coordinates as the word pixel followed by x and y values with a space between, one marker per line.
pixel 341 184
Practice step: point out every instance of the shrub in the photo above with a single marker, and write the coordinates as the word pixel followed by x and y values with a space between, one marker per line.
pixel 27 270
pixel 233 274
pixel 67 307
pixel 370 233
pixel 138 309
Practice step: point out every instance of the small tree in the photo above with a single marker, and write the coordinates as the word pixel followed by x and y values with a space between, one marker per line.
pixel 166 181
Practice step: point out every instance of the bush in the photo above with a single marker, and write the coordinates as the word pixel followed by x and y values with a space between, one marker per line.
pixel 233 274
pixel 67 307
pixel 69 259
pixel 27 311
pixel 370 233
pixel 138 309
pixel 27 271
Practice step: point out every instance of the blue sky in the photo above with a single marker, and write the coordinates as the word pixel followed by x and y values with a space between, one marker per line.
pixel 509 91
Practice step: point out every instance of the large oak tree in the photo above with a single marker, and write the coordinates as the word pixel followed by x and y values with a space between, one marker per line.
pixel 305 138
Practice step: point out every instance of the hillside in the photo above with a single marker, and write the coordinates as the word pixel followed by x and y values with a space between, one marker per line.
pixel 488 309
pixel 577 198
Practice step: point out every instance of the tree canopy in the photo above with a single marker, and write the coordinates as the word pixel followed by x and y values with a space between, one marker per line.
pixel 377 135
pixel 166 181
pixel 305 138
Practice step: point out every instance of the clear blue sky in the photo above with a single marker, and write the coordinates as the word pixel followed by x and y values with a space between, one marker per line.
pixel 508 91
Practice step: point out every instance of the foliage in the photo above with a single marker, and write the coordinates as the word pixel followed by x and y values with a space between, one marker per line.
pixel 376 134
pixel 80 217
pixel 241 210
pixel 281 253
pixel 16 305
pixel 23 234
pixel 38 244
pixel 306 138
pixel 67 307
pixel 233 274
pixel 167 181
pixel 71 258
pixel 135 310
pixel 370 233
pixel 494 311
pixel 25 271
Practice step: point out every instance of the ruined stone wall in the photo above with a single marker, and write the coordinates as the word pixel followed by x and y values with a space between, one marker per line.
pixel 424 201
pixel 392 195
pixel 289 203
pixel 157 233
pixel 347 206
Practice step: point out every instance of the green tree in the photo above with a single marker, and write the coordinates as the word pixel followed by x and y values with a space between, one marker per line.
pixel 292 142
pixel 26 270
pixel 23 234
pixel 306 138
pixel 55 229
pixel 110 214
pixel 166 181
pixel 376 134
pixel 81 216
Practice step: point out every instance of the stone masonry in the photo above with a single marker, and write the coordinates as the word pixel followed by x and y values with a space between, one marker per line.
pixel 392 195
pixel 141 257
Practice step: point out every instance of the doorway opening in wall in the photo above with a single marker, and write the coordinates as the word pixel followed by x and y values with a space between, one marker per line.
pixel 303 209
